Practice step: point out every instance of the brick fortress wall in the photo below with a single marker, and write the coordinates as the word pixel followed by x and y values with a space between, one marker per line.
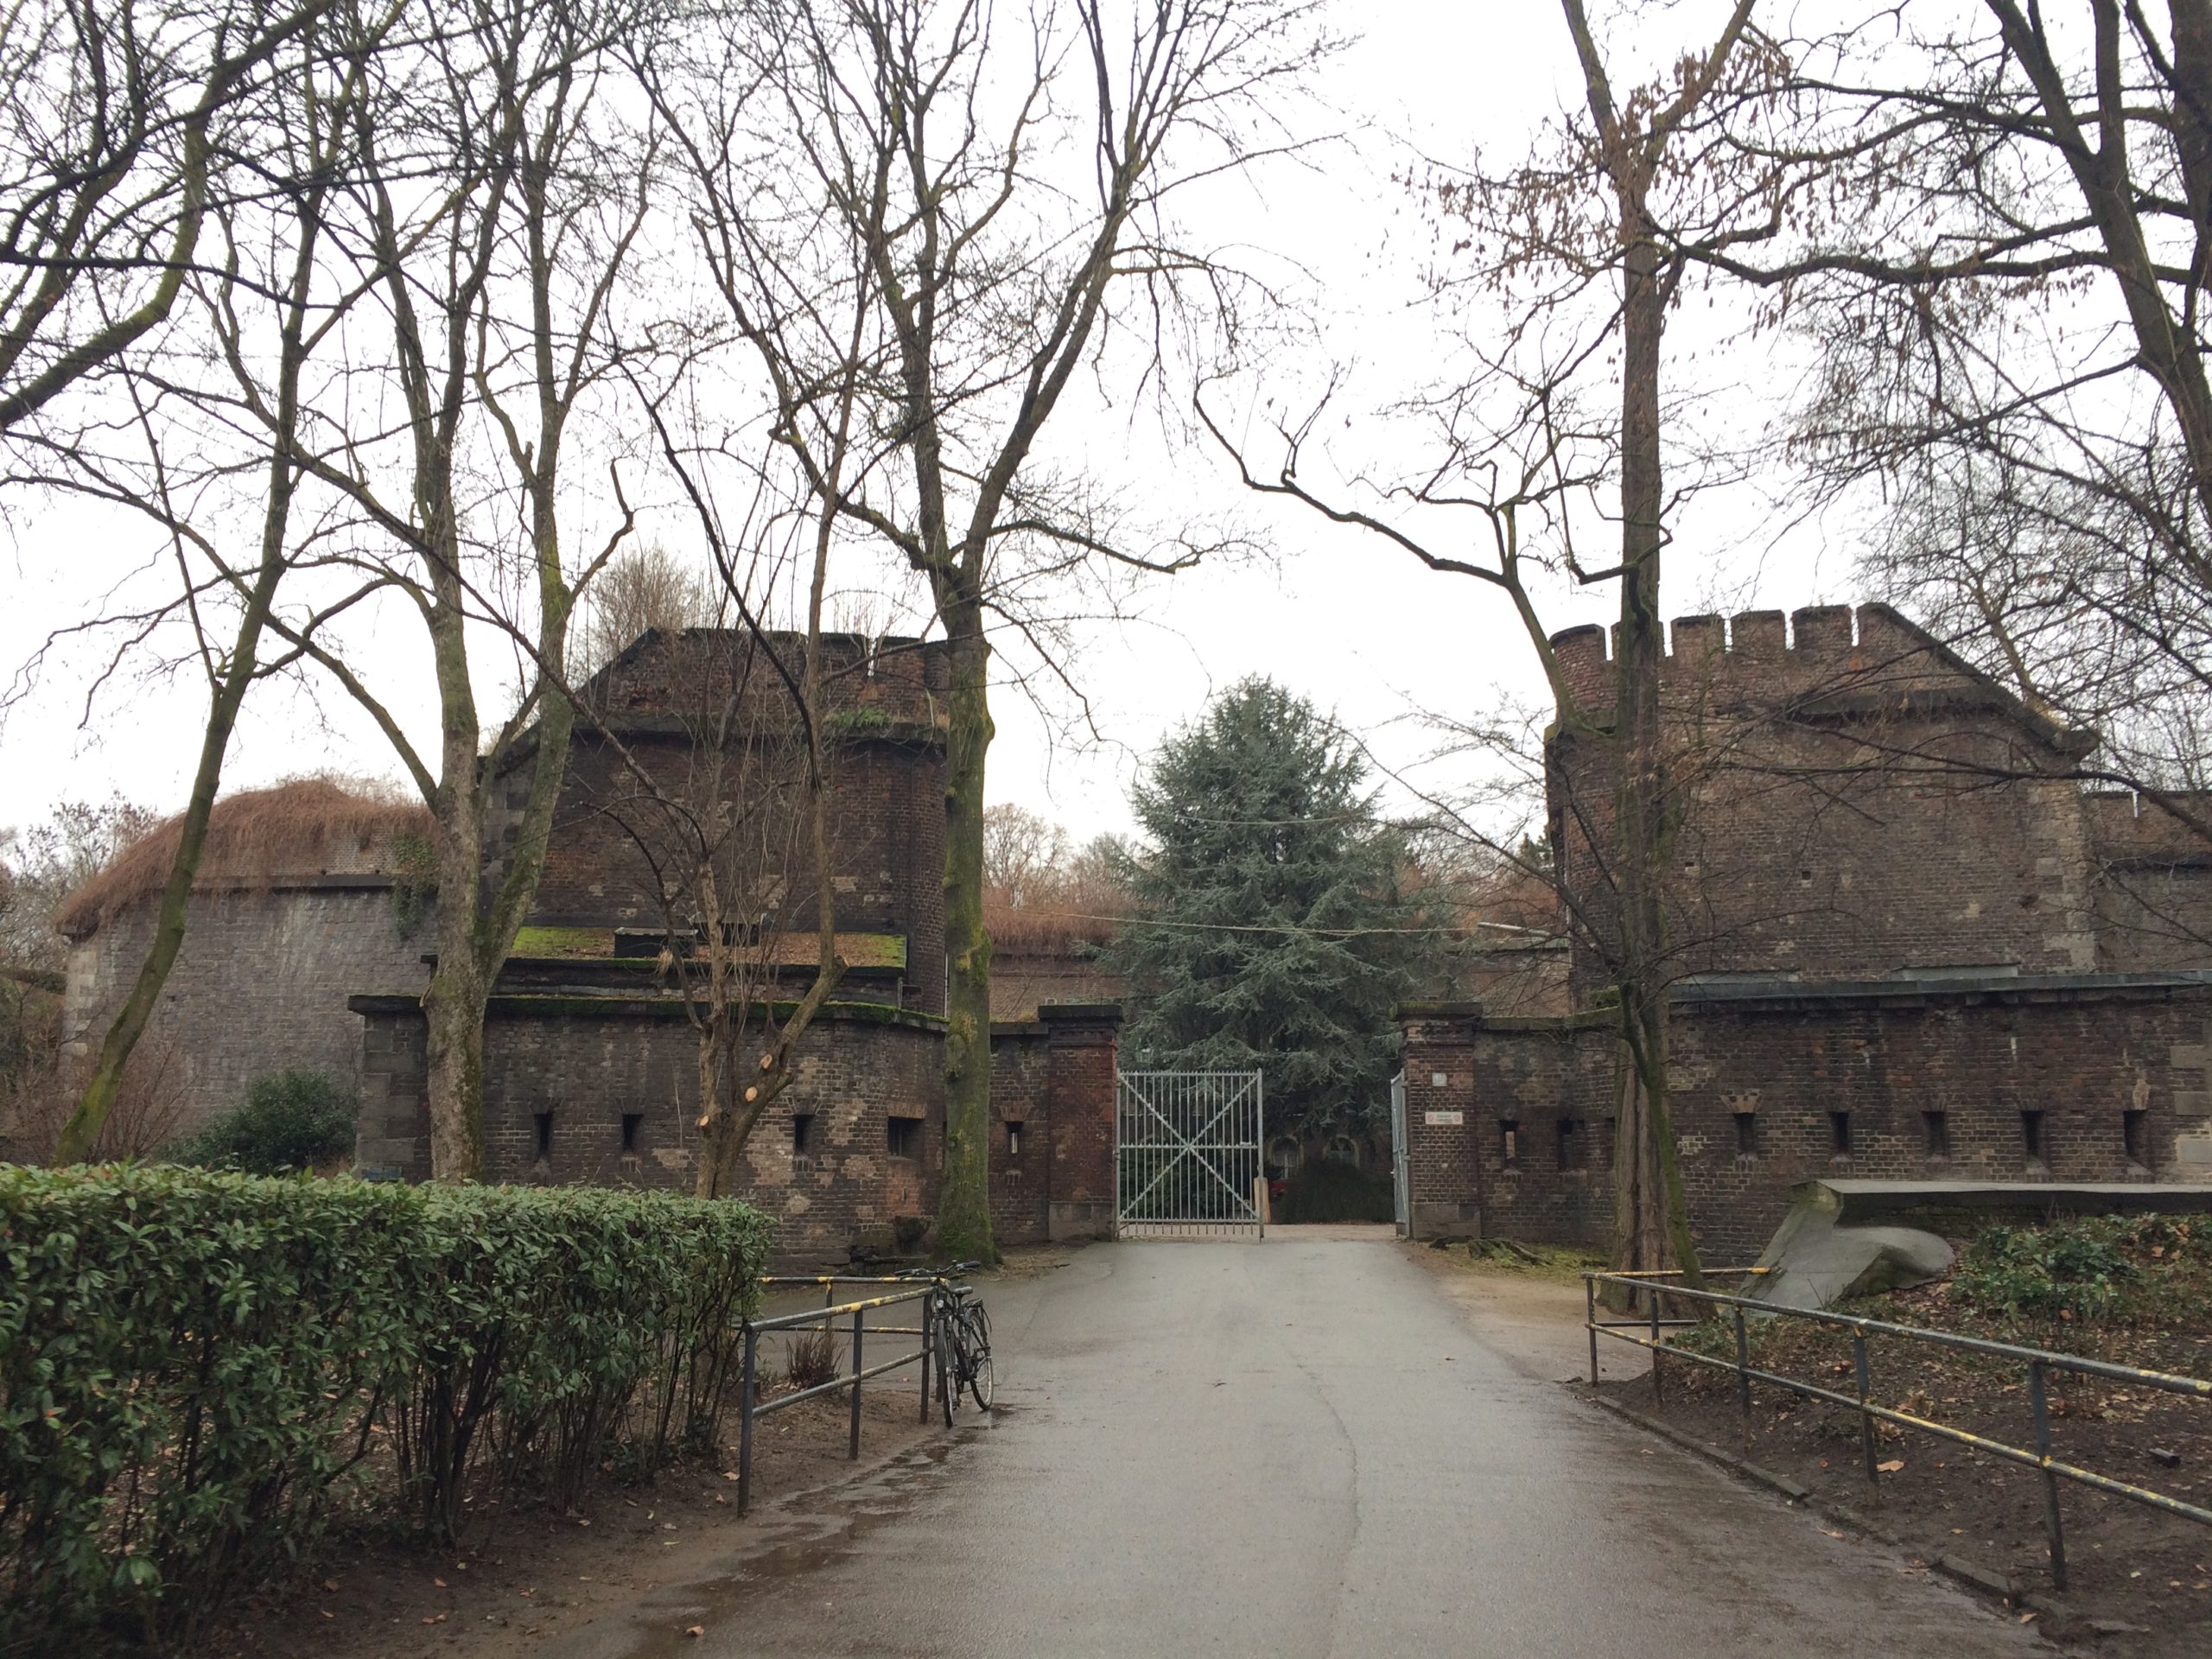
pixel 1856 802
pixel 2153 882
pixel 605 1091
pixel 259 986
pixel 1905 1081
pixel 659 709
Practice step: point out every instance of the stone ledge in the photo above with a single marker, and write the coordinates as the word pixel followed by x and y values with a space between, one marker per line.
pixel 618 1005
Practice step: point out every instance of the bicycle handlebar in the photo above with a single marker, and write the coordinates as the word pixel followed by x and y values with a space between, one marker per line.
pixel 953 1270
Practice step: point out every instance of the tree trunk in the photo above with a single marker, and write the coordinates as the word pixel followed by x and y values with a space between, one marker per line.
pixel 964 1210
pixel 454 1007
pixel 1651 1219
pixel 718 1147
pixel 82 1132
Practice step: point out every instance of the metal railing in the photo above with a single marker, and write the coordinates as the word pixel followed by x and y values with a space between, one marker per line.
pixel 752 1406
pixel 2039 1363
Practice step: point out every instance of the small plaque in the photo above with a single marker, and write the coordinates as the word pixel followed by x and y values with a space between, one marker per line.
pixel 1445 1120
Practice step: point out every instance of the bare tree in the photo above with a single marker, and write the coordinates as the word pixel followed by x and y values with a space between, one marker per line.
pixel 110 122
pixel 497 192
pixel 1993 241
pixel 737 831
pixel 1024 857
pixel 942 229
pixel 264 297
pixel 641 590
pixel 1586 273
pixel 720 818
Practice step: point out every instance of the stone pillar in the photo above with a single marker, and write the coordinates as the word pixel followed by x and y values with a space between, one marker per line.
pixel 1443 1165
pixel 1082 1060
pixel 392 1136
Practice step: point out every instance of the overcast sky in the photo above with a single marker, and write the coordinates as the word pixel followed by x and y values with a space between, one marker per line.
pixel 1345 619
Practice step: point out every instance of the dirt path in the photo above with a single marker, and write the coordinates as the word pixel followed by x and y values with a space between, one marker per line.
pixel 1531 1316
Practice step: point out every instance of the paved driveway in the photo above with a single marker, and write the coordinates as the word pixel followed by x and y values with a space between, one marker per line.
pixel 1303 1449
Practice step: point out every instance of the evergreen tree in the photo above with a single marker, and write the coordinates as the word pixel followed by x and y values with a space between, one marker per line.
pixel 1274 913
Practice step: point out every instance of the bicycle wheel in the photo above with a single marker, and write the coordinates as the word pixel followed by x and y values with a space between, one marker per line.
pixel 945 1341
pixel 982 1383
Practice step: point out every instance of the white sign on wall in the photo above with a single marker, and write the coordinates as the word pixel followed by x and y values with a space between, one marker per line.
pixel 1445 1120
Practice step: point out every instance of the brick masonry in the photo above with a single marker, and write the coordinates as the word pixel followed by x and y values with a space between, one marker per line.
pixel 590 1068
pixel 1925 1081
pixel 662 701
pixel 1857 803
pixel 608 1094
pixel 259 986
pixel 1907 944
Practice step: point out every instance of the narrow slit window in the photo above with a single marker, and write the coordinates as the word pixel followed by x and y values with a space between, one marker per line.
pixel 2031 1134
pixel 1014 1140
pixel 1570 1144
pixel 1935 1131
pixel 902 1136
pixel 1840 1133
pixel 802 1133
pixel 1508 1141
pixel 1747 1135
pixel 2135 1136
pixel 545 1121
pixel 631 1121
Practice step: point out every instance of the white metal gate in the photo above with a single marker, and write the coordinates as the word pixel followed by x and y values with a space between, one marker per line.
pixel 1398 1185
pixel 1187 1153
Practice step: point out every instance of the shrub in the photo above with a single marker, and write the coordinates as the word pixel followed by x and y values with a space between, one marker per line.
pixel 1328 1189
pixel 2098 1267
pixel 194 1364
pixel 815 1359
pixel 289 1121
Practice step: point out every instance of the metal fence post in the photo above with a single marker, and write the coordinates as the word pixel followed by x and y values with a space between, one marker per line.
pixel 1589 1321
pixel 745 1398
pixel 853 1441
pixel 1866 1417
pixel 1744 1375
pixel 2036 1396
pixel 929 1312
pixel 1651 1291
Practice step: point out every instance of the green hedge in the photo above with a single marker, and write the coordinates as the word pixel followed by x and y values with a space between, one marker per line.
pixel 196 1366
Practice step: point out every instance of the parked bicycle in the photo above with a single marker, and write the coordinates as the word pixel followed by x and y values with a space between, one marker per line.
pixel 961 1336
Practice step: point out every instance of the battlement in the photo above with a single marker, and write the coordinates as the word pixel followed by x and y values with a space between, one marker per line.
pixel 1762 655
pixel 685 670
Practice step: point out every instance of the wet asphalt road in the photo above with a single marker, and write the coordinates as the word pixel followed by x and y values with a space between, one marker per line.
pixel 1301 1448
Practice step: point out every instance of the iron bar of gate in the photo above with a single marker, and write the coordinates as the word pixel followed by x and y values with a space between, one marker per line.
pixel 750 1405
pixel 1188 1148
pixel 2039 1363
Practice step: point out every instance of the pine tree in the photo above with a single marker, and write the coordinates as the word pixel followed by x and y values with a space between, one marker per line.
pixel 1272 894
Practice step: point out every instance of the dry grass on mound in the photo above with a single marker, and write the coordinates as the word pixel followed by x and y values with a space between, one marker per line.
pixel 1060 926
pixel 304 826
